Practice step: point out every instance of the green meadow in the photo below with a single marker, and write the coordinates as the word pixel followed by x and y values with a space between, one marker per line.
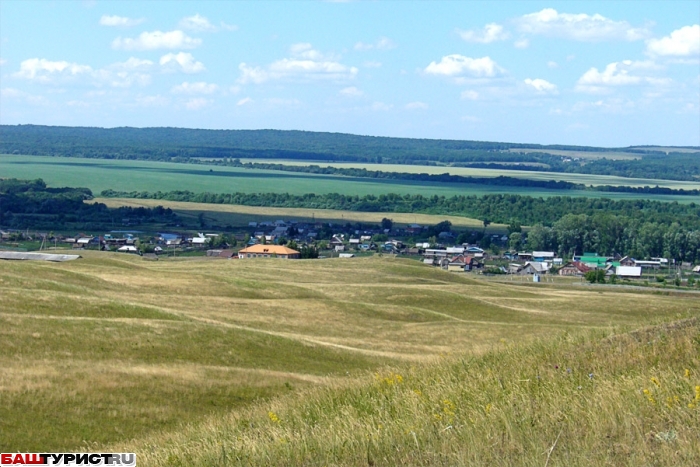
pixel 123 175
pixel 111 348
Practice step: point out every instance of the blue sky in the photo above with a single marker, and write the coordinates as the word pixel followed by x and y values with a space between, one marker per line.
pixel 611 73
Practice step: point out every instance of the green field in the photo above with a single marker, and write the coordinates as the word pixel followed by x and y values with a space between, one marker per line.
pixel 111 348
pixel 585 179
pixel 123 175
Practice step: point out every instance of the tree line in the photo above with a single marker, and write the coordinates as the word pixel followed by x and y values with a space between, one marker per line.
pixel 178 144
pixel 31 204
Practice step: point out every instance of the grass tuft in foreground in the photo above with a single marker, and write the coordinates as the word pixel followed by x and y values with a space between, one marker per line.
pixel 588 399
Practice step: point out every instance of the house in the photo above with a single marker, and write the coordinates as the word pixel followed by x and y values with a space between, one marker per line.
pixel 696 269
pixel 268 251
pixel 339 248
pixel 634 272
pixel 199 240
pixel 534 267
pixel 128 249
pixel 627 261
pixel 573 268
pixel 435 253
pixel 592 260
pixel 457 263
pixel 355 242
pixel 514 268
pixel 414 251
pixel 346 255
pixel 541 256
pixel 226 254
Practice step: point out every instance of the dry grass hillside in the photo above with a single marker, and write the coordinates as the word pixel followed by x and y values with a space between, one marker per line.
pixel 110 348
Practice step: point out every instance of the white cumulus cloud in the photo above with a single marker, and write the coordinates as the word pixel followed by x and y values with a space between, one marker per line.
pixel 120 21
pixel 680 43
pixel 470 94
pixel 492 32
pixel 459 65
pixel 195 88
pixel 624 73
pixel 541 86
pixel 182 61
pixel 197 23
pixel 580 27
pixel 244 101
pixel 157 40
pixel 305 64
pixel 42 70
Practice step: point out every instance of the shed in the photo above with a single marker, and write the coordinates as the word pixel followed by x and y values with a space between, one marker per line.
pixel 629 271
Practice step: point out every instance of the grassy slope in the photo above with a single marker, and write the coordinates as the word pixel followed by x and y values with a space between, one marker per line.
pixel 630 399
pixel 111 347
pixel 100 174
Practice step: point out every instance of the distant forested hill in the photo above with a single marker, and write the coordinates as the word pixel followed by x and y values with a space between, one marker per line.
pixel 185 144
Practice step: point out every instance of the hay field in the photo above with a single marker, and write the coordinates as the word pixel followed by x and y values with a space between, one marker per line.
pixel 237 215
pixel 109 348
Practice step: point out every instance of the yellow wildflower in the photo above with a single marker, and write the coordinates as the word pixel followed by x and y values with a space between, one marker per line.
pixel 273 417
pixel 655 380
pixel 687 373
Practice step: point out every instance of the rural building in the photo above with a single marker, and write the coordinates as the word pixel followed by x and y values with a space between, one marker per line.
pixel 696 269
pixel 574 268
pixel 128 249
pixel 634 272
pixel 458 263
pixel 534 267
pixel 648 264
pixel 541 256
pixel 268 251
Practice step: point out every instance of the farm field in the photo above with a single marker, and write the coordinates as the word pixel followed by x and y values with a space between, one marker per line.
pixel 237 215
pixel 123 175
pixel 111 348
pixel 586 179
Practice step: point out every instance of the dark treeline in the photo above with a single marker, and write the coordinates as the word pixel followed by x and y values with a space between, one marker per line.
pixel 608 234
pixel 31 204
pixel 496 208
pixel 168 144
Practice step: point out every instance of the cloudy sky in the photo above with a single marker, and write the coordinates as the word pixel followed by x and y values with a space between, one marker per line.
pixel 610 73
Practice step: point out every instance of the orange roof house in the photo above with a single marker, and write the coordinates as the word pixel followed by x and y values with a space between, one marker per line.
pixel 268 251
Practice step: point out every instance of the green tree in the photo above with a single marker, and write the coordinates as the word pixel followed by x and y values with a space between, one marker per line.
pixel 514 226
pixel 515 241
pixel 387 224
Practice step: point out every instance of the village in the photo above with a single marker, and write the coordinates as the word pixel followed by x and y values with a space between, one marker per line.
pixel 436 245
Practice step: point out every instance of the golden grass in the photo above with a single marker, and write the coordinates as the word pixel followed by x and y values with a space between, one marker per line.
pixel 575 400
pixel 241 215
pixel 148 346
